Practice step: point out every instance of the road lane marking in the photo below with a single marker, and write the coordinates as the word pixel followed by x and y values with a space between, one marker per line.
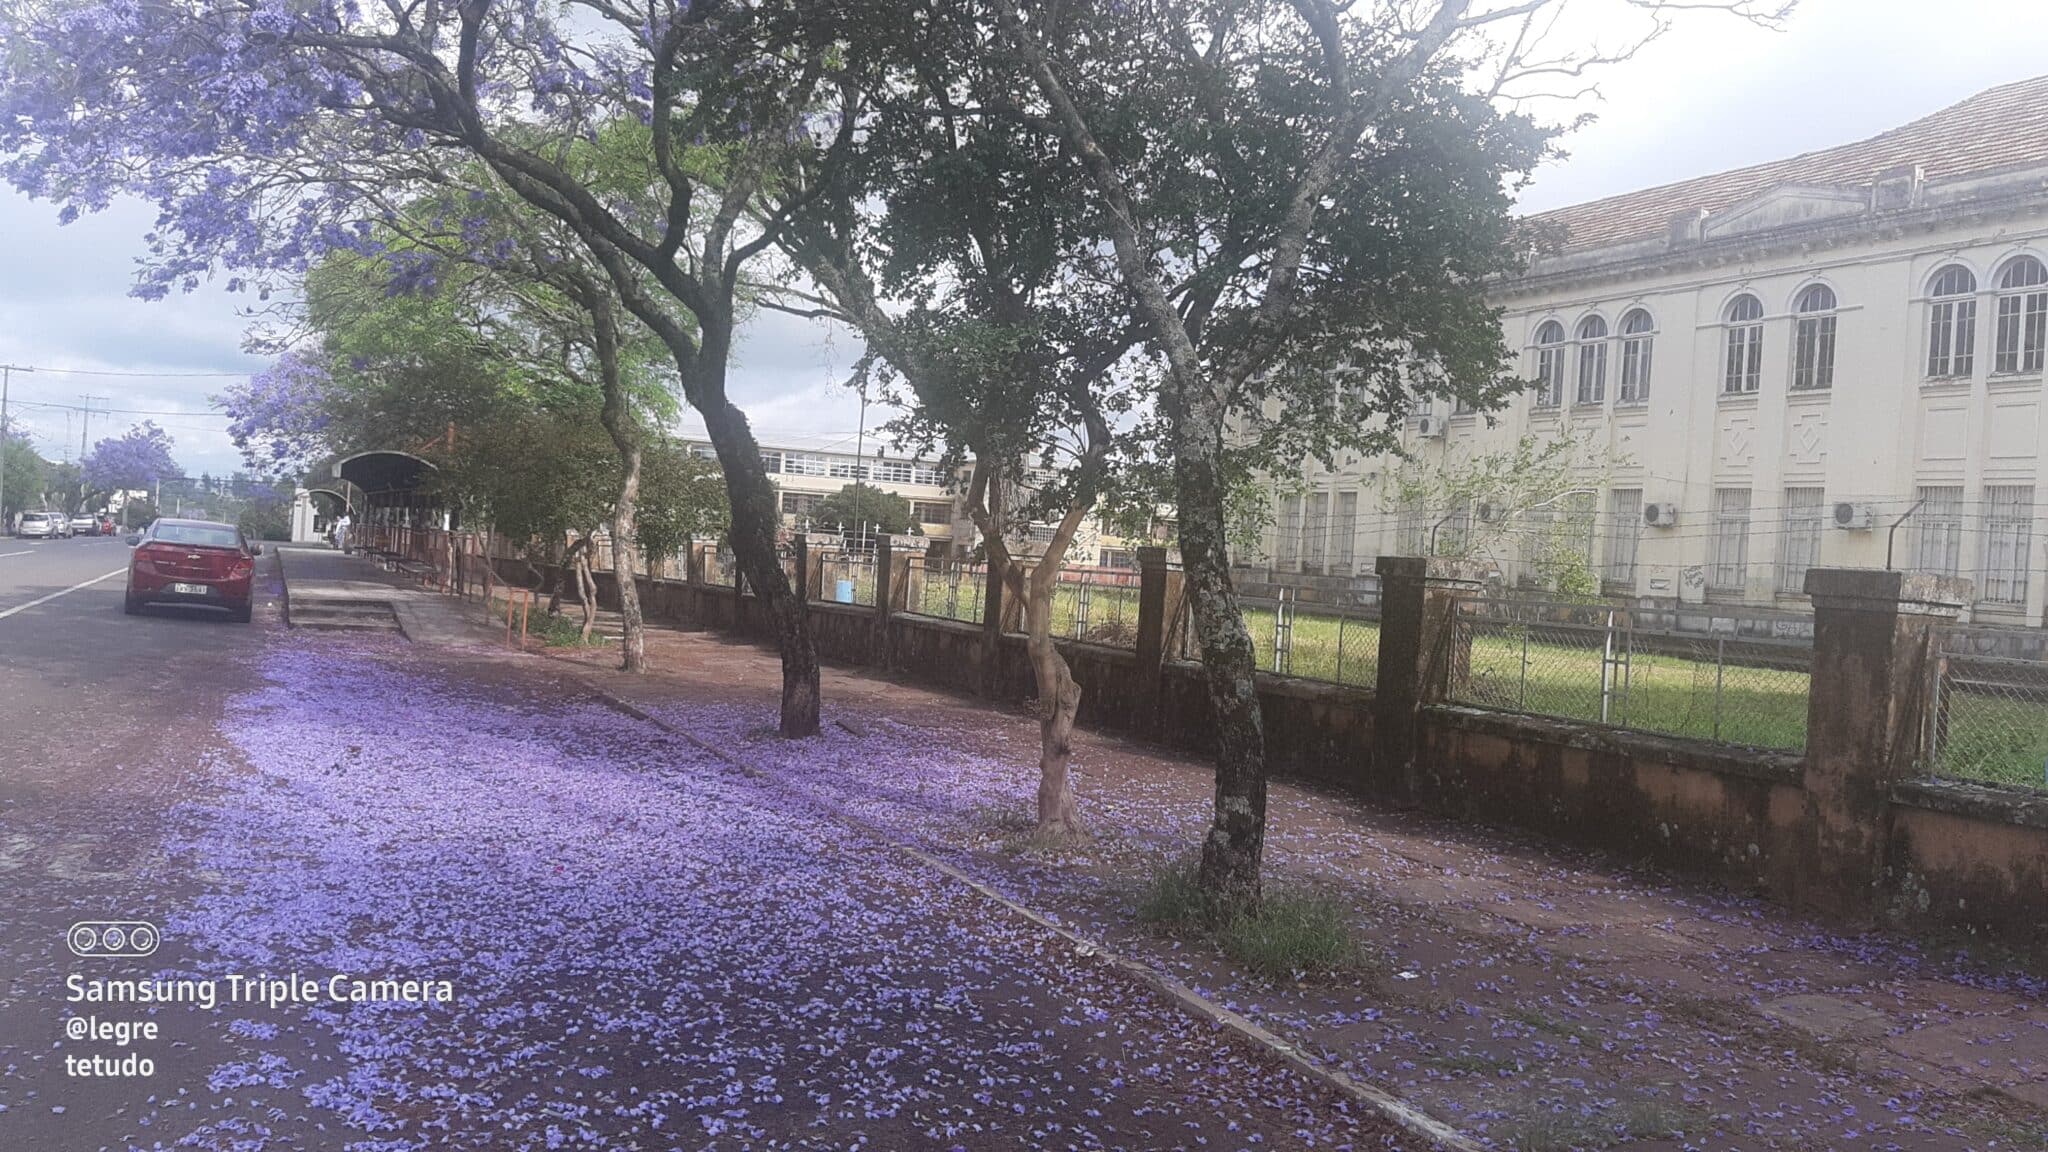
pixel 121 571
pixel 23 552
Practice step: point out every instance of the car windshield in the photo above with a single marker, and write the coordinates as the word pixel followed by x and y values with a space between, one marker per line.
pixel 37 517
pixel 199 535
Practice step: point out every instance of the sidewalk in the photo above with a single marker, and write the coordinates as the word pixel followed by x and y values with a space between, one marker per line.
pixel 316 574
pixel 1534 997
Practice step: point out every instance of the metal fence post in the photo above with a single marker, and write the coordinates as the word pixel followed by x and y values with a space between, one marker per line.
pixel 1720 674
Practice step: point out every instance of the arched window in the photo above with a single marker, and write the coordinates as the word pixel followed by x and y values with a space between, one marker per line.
pixel 1813 340
pixel 1592 360
pixel 1745 320
pixel 2022 316
pixel 1550 364
pixel 1951 323
pixel 1635 358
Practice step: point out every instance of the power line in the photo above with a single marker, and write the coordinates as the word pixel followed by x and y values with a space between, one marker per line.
pixel 142 375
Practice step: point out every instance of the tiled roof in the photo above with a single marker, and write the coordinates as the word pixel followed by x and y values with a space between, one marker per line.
pixel 1999 129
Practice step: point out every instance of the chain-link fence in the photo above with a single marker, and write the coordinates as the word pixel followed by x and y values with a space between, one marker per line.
pixel 1315 643
pixel 952 592
pixel 1987 720
pixel 1097 609
pixel 846 578
pixel 1289 639
pixel 1588 662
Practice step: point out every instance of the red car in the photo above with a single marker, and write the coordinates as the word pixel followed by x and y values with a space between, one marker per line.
pixel 192 562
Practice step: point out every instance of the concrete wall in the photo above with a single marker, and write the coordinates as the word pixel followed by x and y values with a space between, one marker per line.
pixel 1842 829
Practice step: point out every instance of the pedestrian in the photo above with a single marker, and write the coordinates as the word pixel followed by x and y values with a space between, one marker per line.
pixel 341 532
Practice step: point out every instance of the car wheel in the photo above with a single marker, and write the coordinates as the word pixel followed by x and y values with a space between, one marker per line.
pixel 243 614
pixel 130 605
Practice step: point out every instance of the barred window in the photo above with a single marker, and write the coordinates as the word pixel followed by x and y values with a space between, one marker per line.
pixel 1635 358
pixel 1813 343
pixel 1625 533
pixel 1344 533
pixel 1314 527
pixel 1938 534
pixel 1287 538
pixel 893 471
pixel 1592 360
pixel 1582 524
pixel 1744 367
pixel 1412 527
pixel 1951 323
pixel 2008 540
pixel 1728 564
pixel 771 461
pixel 1800 548
pixel 931 511
pixel 2022 316
pixel 1550 364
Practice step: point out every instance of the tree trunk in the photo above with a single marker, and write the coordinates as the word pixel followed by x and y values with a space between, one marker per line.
pixel 754 524
pixel 1233 849
pixel 586 592
pixel 564 556
pixel 633 635
pixel 1059 701
pixel 617 418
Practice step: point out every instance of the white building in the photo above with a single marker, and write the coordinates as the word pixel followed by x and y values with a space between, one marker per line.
pixel 804 477
pixel 1781 361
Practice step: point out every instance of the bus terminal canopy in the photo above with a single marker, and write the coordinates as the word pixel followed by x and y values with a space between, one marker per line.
pixel 384 473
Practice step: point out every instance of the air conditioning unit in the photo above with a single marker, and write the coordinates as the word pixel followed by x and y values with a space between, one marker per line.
pixel 1491 513
pixel 1855 517
pixel 1660 515
pixel 1429 427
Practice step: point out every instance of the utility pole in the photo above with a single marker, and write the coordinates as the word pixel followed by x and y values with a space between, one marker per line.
pixel 84 418
pixel 5 371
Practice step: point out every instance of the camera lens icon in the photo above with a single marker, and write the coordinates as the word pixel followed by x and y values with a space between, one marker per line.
pixel 112 939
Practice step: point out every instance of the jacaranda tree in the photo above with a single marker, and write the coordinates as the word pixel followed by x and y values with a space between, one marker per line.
pixel 136 459
pixel 268 132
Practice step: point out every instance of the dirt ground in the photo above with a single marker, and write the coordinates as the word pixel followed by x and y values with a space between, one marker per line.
pixel 1533 996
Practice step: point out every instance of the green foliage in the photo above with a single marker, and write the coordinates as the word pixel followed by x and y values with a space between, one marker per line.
pixel 138 513
pixel 265 520
pixel 25 474
pixel 864 508
pixel 1532 502
pixel 682 498
pixel 535 479
pixel 1293 933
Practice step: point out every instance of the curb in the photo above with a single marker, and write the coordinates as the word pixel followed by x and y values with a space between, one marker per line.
pixel 1408 1117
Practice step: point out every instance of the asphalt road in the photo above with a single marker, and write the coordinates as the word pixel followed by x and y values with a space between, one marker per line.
pixel 640 947
pixel 105 721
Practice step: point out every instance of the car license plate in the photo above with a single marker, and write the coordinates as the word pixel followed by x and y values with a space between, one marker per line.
pixel 190 589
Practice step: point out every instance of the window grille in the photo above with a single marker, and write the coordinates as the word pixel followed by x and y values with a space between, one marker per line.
pixel 1728 566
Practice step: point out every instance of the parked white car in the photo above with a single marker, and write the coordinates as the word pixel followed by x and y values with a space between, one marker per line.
pixel 44 525
pixel 85 524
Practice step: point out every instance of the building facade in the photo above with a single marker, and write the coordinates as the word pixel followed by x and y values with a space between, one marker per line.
pixel 1835 359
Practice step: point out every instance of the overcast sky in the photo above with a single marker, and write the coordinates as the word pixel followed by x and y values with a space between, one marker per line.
pixel 1715 94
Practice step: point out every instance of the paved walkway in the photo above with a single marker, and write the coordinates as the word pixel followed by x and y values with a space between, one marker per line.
pixel 1537 998
pixel 644 949
pixel 315 573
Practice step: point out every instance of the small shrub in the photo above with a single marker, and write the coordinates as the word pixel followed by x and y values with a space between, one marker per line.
pixel 559 631
pixel 1174 899
pixel 1294 934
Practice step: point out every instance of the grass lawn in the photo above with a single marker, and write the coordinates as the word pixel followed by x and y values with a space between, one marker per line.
pixel 1994 736
pixel 1558 674
pixel 1990 737
pixel 1342 649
